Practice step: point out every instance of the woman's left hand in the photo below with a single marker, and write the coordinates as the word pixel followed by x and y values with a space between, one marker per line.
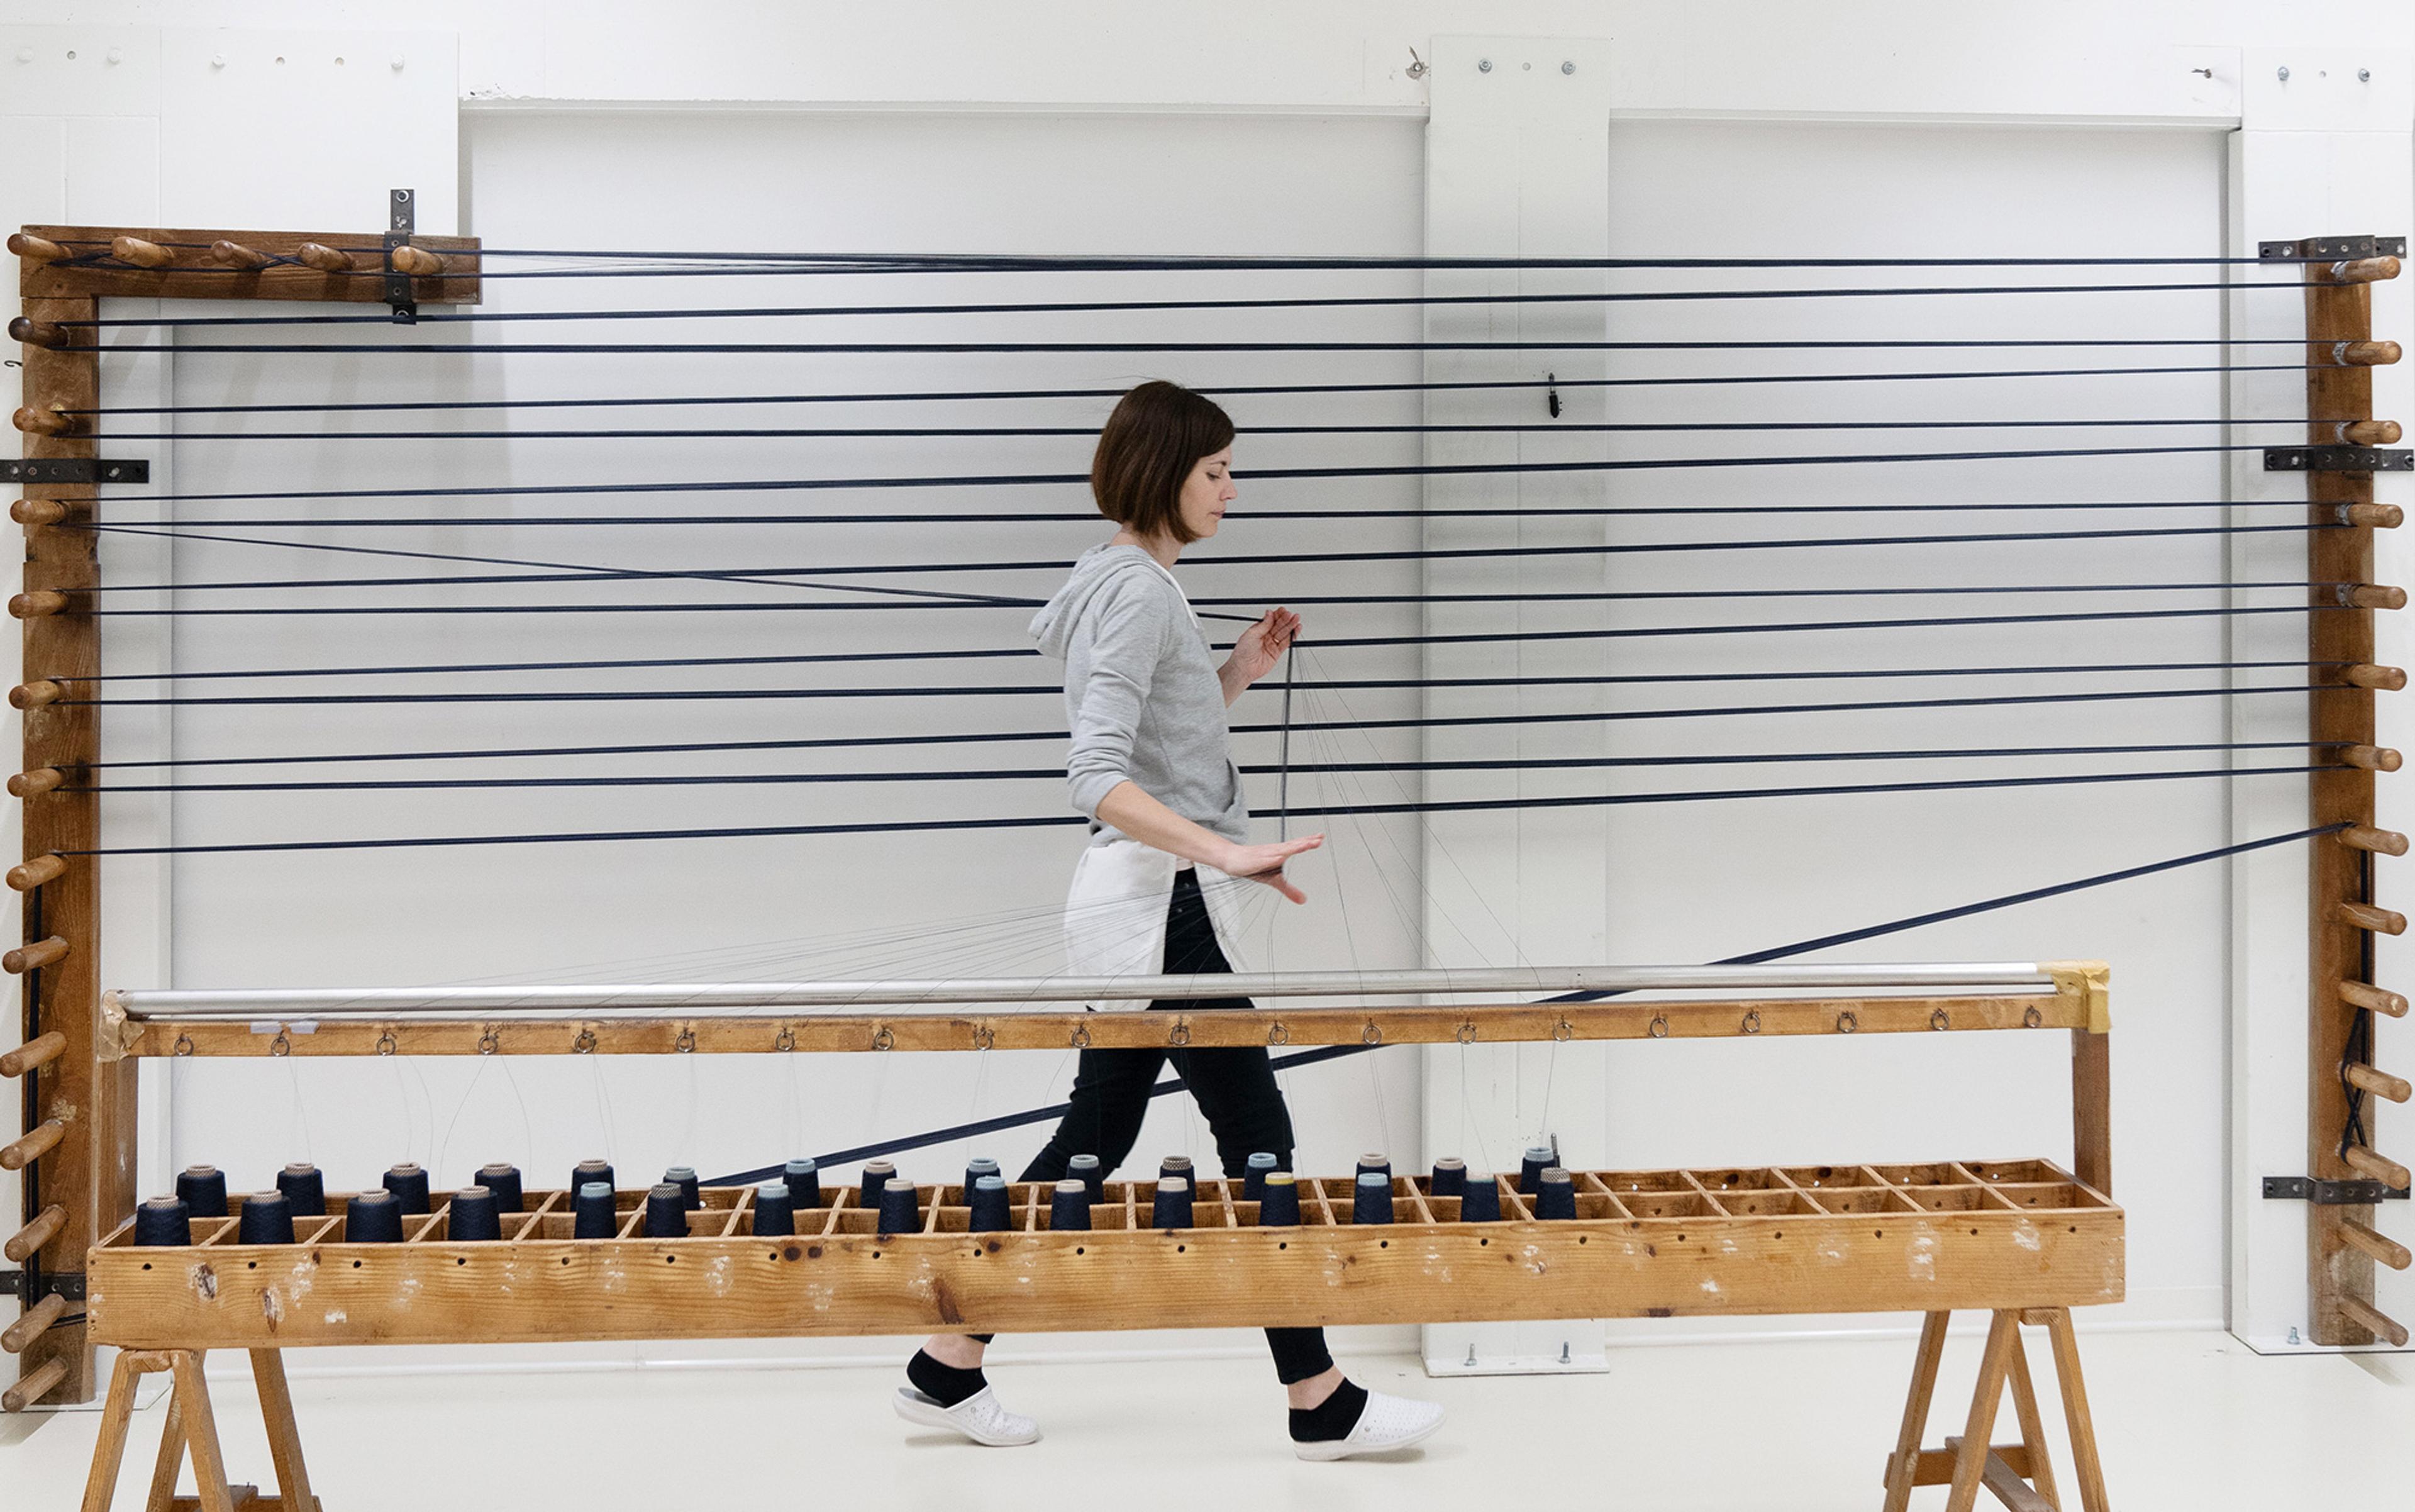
pixel 1262 645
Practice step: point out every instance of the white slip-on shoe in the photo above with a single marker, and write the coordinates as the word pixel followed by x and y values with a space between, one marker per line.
pixel 1385 1424
pixel 978 1417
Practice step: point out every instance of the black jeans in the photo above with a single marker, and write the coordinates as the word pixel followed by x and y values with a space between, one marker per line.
pixel 1234 1088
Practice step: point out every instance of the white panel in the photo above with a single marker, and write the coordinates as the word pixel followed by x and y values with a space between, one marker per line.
pixel 2368 88
pixel 112 170
pixel 308 129
pixel 2284 183
pixel 1517 165
pixel 90 69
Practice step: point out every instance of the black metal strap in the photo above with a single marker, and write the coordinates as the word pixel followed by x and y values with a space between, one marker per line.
pixel 2330 1194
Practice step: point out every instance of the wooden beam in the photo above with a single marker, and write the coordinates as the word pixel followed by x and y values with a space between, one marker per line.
pixel 2342 914
pixel 754 1034
pixel 195 270
pixel 2092 1109
pixel 2000 1251
pixel 90 1171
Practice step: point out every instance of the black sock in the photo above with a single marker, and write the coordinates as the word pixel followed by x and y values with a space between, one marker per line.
pixel 945 1383
pixel 1332 1418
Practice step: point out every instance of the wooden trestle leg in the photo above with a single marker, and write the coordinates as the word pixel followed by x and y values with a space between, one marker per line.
pixel 2020 1475
pixel 191 1427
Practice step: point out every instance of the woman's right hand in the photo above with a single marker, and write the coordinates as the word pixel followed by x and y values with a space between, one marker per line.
pixel 1265 863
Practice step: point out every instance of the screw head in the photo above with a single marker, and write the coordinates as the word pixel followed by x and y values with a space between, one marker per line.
pixel 2365 76
pixel 2282 73
pixel 1484 65
pixel 1567 67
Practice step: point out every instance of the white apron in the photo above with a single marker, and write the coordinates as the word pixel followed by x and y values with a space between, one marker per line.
pixel 1114 912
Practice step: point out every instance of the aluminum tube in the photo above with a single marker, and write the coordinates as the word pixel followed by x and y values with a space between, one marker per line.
pixel 164 1006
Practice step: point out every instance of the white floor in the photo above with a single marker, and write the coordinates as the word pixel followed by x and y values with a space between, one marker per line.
pixel 2188 1420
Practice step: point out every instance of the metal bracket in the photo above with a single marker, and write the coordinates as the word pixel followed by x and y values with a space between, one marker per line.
pixel 77 470
pixel 2330 248
pixel 63 1283
pixel 401 220
pixel 2330 1193
pixel 2339 459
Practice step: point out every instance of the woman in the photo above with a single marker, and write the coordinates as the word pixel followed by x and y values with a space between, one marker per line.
pixel 1156 889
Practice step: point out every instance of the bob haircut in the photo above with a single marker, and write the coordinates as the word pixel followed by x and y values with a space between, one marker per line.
pixel 1156 435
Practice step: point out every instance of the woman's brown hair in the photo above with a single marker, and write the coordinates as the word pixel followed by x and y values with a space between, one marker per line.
pixel 1157 435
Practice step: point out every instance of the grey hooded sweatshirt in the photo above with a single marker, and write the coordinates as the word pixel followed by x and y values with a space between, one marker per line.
pixel 1141 692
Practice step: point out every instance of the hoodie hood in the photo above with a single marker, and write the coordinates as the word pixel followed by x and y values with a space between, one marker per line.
pixel 1093 570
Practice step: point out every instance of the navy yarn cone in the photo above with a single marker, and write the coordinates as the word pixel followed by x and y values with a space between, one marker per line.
pixel 305 1188
pixel 587 1171
pixel 775 1215
pixel 992 1209
pixel 592 1213
pixel 409 1184
pixel 683 1178
pixel 1171 1208
pixel 666 1211
pixel 1070 1208
pixel 899 1211
pixel 803 1179
pixel 1279 1208
pixel 868 1187
pixel 473 1218
pixel 1532 1165
pixel 163 1221
pixel 1378 1162
pixel 1556 1196
pixel 1370 1200
pixel 1253 1178
pixel 1086 1170
pixel 1178 1165
pixel 976 1168
pixel 1450 1176
pixel 204 1189
pixel 504 1180
pixel 1482 1202
pixel 374 1217
pixel 266 1217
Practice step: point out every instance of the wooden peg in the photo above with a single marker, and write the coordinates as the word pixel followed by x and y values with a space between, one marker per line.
pixel 2367 675
pixel 2372 595
pixel 34 332
pixel 34 422
pixel 2373 517
pixel 30 874
pixel 236 255
pixel 2365 270
pixel 2379 1246
pixel 33 1055
pixel 2366 432
pixel 38 512
pixel 418 261
pixel 2377 1167
pixel 31 1146
pixel 2380 1083
pixel 35 1321
pixel 324 259
pixel 2365 354
pixel 44 1227
pixel 35 783
pixel 36 248
pixel 2380 842
pixel 2364 995
pixel 2370 757
pixel 35 605
pixel 140 253
pixel 33 1387
pixel 2380 1325
pixel 34 694
pixel 2367 916
pixel 34 955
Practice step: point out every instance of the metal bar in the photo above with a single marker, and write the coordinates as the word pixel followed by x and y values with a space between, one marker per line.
pixel 236 1003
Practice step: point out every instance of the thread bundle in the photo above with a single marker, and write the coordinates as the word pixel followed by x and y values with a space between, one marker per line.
pixel 775 1211
pixel 203 1189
